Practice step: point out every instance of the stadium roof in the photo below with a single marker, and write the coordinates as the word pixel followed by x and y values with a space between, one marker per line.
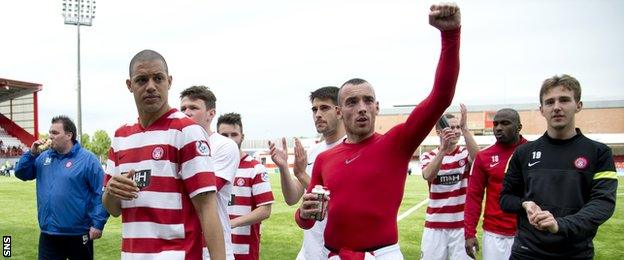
pixel 406 109
pixel 10 89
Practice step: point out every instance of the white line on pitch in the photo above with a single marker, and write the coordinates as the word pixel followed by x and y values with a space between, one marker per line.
pixel 411 210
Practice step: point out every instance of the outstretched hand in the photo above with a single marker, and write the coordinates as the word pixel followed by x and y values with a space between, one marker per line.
pixel 445 16
pixel 464 116
pixel 279 156
pixel 301 158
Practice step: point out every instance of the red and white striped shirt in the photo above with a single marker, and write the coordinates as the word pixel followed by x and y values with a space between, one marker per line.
pixel 171 160
pixel 251 190
pixel 447 193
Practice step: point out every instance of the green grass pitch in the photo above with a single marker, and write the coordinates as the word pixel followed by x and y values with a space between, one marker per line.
pixel 281 238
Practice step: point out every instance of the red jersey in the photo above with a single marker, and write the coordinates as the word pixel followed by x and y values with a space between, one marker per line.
pixel 447 193
pixel 488 172
pixel 251 189
pixel 171 160
pixel 367 179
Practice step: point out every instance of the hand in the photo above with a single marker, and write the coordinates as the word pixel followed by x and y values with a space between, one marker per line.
pixel 310 206
pixel 123 187
pixel 446 137
pixel 279 156
pixel 464 117
pixel 445 16
pixel 233 223
pixel 34 148
pixel 94 233
pixel 472 247
pixel 546 221
pixel 301 158
pixel 531 210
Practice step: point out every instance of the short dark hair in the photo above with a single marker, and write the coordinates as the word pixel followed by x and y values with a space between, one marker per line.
pixel 353 81
pixel 200 92
pixel 325 93
pixel 146 55
pixel 230 119
pixel 68 125
pixel 515 117
pixel 564 80
pixel 447 116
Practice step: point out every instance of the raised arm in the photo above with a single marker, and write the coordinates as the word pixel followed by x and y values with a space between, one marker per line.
pixel 291 188
pixel 26 169
pixel 446 18
pixel 471 144
pixel 431 166
pixel 301 163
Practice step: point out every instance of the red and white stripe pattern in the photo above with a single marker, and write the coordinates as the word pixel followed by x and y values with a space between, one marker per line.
pixel 162 222
pixel 447 193
pixel 251 189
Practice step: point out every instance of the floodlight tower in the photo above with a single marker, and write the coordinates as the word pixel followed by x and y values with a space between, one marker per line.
pixel 79 12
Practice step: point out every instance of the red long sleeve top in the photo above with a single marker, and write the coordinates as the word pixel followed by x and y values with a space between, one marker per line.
pixel 367 179
pixel 488 172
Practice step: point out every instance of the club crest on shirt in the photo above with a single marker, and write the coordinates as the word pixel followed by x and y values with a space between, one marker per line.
pixel 47 161
pixel 202 148
pixel 158 153
pixel 142 178
pixel 461 162
pixel 240 182
pixel 68 164
pixel 580 163
pixel 264 176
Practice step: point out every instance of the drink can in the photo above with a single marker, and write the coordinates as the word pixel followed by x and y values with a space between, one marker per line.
pixel 322 195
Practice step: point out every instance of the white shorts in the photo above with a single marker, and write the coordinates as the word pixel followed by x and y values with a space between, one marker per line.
pixel 443 244
pixel 392 252
pixel 496 246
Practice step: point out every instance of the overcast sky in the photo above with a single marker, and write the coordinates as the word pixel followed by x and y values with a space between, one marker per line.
pixel 262 58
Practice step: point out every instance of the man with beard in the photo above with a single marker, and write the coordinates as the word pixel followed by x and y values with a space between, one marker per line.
pixel 562 186
pixel 251 198
pixel 325 114
pixel 366 173
pixel 488 171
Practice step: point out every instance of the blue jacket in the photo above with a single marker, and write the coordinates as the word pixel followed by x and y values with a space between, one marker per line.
pixel 69 190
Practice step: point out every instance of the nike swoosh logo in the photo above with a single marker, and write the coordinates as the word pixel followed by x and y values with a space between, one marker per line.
pixel 348 161
pixel 533 163
pixel 493 164
pixel 310 163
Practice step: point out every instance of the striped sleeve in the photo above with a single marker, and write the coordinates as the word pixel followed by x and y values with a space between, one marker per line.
pixel 196 168
pixel 261 187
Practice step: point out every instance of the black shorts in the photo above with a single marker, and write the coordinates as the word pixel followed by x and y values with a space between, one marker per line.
pixel 52 247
